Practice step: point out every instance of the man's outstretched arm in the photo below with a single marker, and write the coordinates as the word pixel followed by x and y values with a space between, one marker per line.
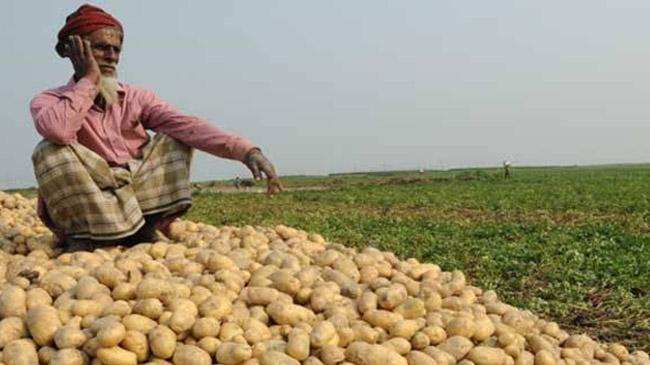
pixel 195 132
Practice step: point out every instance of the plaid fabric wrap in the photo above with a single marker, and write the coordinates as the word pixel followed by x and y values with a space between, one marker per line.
pixel 87 198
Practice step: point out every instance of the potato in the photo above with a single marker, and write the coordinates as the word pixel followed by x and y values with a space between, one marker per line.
pixel 56 283
pixel 45 354
pixel 13 302
pixel 537 343
pixel 323 295
pixel 399 345
pixel 366 354
pixel 331 354
pixel 406 328
pixel 439 356
pixel 162 341
pixel 255 331
pixel 209 344
pixel 42 322
pixel 11 329
pixel 184 315
pixel 118 308
pixel 69 337
pixel 116 356
pixel 37 296
pixel 91 346
pixel 411 308
pixel 420 340
pixel 153 288
pixel 348 286
pixel 382 318
pixel 136 322
pixel 289 313
pixel 20 352
pixel 284 281
pixel 461 326
pixel 323 334
pixel 205 327
pixel 67 356
pixel 230 353
pixel 137 343
pixel 191 355
pixel 457 346
pixel 108 275
pixel 436 334
pixel 277 358
pixel 364 333
pixel 484 328
pixel 544 357
pixel 487 356
pixel 391 297
pixel 229 330
pixel 419 358
pixel 111 334
pixel 150 307
pixel 216 307
pixel 298 344
pixel 367 302
pixel 432 302
pixel 616 349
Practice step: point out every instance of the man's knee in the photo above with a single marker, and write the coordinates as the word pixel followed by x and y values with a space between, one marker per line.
pixel 171 143
pixel 42 149
pixel 168 147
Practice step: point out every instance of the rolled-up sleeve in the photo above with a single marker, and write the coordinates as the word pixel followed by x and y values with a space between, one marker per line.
pixel 161 117
pixel 58 116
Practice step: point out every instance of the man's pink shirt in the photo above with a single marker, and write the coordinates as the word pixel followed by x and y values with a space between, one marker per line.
pixel 67 114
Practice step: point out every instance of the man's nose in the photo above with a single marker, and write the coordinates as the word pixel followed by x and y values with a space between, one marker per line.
pixel 112 55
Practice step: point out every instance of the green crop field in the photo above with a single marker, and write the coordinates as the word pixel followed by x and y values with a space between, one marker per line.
pixel 570 244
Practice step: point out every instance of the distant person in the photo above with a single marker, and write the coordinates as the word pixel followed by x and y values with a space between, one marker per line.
pixel 237 183
pixel 101 178
pixel 506 169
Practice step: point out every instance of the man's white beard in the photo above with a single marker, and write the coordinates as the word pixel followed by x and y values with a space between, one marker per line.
pixel 108 90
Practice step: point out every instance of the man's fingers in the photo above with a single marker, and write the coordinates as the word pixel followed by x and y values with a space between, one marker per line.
pixel 268 169
pixel 72 50
pixel 81 49
pixel 269 172
pixel 255 170
pixel 78 45
pixel 278 186
pixel 76 51
pixel 259 164
pixel 273 186
pixel 88 51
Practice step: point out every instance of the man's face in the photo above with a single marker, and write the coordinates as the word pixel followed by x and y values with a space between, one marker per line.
pixel 106 46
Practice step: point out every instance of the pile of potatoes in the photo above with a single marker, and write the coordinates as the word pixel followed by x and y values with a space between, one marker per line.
pixel 255 295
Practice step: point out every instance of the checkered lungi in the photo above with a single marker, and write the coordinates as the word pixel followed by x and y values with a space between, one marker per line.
pixel 85 198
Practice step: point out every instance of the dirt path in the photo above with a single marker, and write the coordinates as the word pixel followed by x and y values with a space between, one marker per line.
pixel 254 189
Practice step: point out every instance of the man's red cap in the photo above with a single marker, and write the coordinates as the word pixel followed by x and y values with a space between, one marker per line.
pixel 86 19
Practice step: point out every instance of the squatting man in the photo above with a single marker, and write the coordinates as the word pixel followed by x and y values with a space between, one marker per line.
pixel 102 180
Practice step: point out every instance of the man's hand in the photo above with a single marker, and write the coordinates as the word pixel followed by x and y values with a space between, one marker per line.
pixel 258 163
pixel 80 53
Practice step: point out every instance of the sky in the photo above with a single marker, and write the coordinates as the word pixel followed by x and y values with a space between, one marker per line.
pixel 340 85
